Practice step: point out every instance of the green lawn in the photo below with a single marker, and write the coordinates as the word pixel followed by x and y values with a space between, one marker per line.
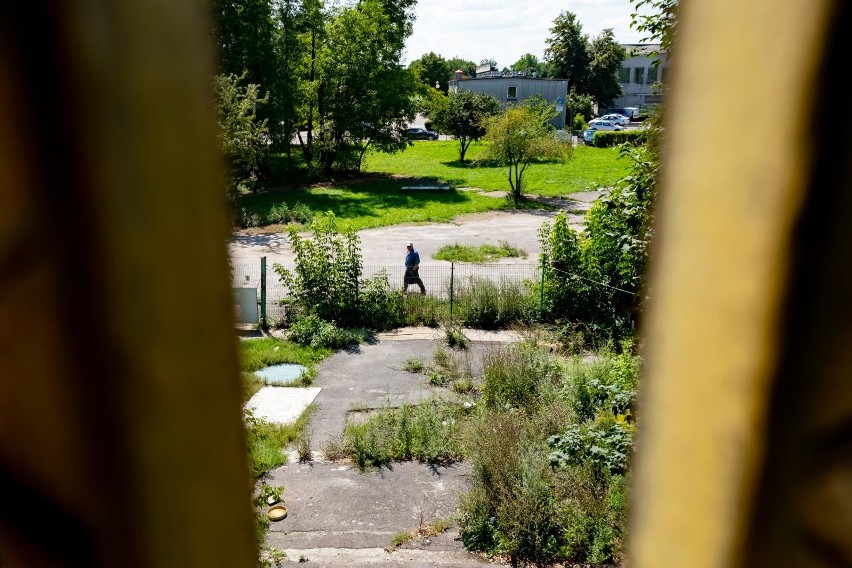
pixel 589 167
pixel 377 200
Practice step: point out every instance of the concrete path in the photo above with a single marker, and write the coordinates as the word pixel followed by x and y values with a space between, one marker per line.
pixel 340 517
pixel 386 245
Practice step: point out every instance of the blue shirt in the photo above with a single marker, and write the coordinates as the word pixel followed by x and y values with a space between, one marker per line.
pixel 412 259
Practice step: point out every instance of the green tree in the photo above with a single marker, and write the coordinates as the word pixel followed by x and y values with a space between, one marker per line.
pixel 365 96
pixel 589 66
pixel 430 69
pixel 568 51
pixel 466 66
pixel 465 115
pixel 529 62
pixel 606 57
pixel 519 136
pixel 242 135
pixel 246 34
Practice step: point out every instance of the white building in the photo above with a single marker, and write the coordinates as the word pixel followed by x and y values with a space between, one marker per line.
pixel 639 77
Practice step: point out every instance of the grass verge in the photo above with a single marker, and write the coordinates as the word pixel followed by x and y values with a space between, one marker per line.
pixel 484 253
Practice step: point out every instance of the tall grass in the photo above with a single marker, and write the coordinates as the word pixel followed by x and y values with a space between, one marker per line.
pixel 429 432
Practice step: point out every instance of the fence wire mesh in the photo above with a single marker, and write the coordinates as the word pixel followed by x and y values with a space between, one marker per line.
pixel 437 279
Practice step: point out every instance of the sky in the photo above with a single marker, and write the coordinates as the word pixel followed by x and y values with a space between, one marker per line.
pixel 505 30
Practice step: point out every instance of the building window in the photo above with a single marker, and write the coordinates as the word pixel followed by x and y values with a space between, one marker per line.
pixel 664 74
pixel 652 74
pixel 639 75
pixel 624 75
pixel 512 92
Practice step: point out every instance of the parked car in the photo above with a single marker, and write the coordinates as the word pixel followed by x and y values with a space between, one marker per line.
pixel 589 136
pixel 616 118
pixel 421 134
pixel 600 124
pixel 632 113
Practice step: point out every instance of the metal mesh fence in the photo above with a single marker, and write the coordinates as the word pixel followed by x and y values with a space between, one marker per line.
pixel 437 279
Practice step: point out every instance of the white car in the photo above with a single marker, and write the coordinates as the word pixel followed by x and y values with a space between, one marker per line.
pixel 600 124
pixel 616 118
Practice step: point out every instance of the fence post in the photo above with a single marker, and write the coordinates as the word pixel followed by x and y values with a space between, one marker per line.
pixel 541 294
pixel 263 291
pixel 452 269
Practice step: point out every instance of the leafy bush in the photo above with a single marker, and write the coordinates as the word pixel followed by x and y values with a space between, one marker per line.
pixel 594 279
pixel 608 138
pixel 327 283
pixel 317 333
pixel 327 274
pixel 605 445
pixel 381 307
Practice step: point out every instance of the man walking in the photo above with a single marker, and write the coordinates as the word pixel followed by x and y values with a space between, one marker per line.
pixel 412 269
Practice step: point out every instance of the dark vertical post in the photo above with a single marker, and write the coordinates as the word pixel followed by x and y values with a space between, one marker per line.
pixel 541 292
pixel 452 269
pixel 263 291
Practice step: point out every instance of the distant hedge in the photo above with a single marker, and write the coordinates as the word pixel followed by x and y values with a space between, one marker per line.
pixel 607 138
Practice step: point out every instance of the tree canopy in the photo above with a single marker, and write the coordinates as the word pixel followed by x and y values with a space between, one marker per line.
pixel 590 66
pixel 519 136
pixel 465 115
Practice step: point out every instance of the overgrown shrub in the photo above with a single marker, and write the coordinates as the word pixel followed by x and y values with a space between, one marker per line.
pixel 381 307
pixel 513 507
pixel 429 432
pixel 326 278
pixel 317 333
pixel 594 279
pixel 327 282
pixel 486 304
pixel 513 377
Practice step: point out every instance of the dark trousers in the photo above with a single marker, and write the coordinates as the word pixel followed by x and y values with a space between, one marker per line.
pixel 412 276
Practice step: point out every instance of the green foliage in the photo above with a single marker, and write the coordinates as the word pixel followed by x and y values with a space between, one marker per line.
pixel 595 278
pixel 320 334
pixel 514 505
pixel 380 306
pixel 242 135
pixel 465 117
pixel 608 138
pixel 581 104
pixel 609 385
pixel 429 432
pixel 327 273
pixel 589 66
pixel 430 68
pixel 529 63
pixel 549 486
pixel 514 377
pixel 484 253
pixel 605 445
pixel 265 441
pixel 326 286
pixel 486 304
pixel 455 338
pixel 519 136
pixel 364 97
pixel 279 213
pixel 414 365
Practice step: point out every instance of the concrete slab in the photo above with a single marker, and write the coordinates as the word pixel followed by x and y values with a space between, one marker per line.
pixel 282 404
